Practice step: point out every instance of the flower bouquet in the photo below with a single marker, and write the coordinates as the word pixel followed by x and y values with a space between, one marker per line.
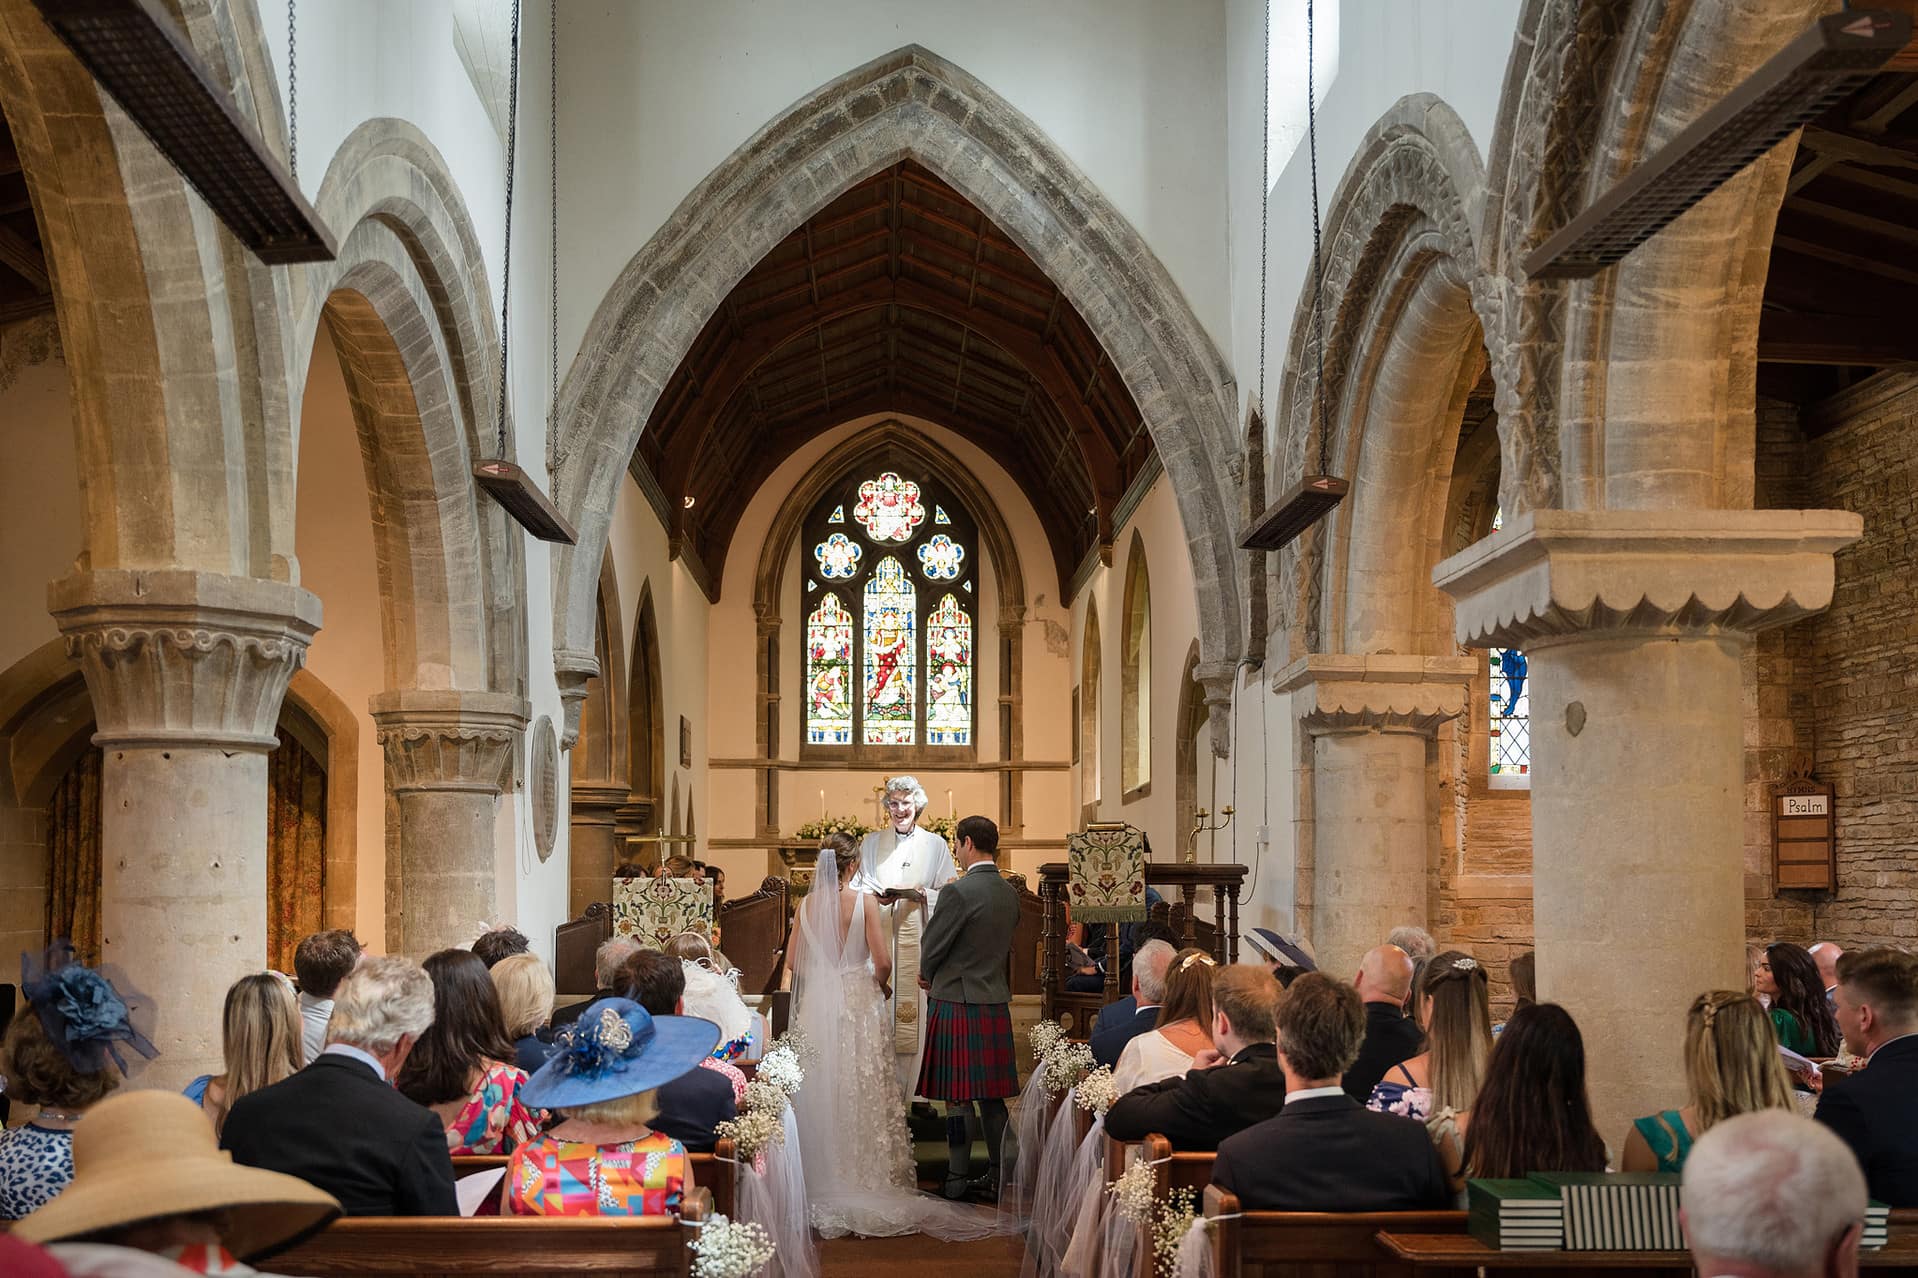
pixel 852 827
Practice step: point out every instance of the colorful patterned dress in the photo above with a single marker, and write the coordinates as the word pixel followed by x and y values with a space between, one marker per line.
pixel 493 1121
pixel 549 1177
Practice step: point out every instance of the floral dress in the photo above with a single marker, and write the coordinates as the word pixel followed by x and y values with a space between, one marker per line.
pixel 1401 1096
pixel 549 1177
pixel 493 1120
pixel 731 1073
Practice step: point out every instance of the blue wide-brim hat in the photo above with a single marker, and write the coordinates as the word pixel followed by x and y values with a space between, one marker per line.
pixel 1276 947
pixel 617 1048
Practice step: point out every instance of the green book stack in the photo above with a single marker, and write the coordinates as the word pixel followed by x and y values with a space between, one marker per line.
pixel 1618 1211
pixel 1515 1215
pixel 1877 1224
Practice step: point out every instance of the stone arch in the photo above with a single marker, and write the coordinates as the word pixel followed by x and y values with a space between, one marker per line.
pixel 1590 92
pixel 1089 716
pixel 1135 675
pixel 1402 340
pixel 646 718
pixel 338 730
pixel 599 754
pixel 1185 768
pixel 907 104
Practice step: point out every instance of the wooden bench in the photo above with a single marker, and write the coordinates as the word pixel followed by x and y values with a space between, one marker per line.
pixel 1311 1244
pixel 715 1173
pixel 528 1246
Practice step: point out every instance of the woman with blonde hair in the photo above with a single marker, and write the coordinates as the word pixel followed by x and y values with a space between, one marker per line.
pixel 526 994
pixel 260 1041
pixel 1455 1009
pixel 1732 1067
pixel 1184 1028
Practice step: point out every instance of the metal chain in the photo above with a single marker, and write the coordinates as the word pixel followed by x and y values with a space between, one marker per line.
pixel 506 255
pixel 292 95
pixel 552 111
pixel 1318 262
pixel 1265 201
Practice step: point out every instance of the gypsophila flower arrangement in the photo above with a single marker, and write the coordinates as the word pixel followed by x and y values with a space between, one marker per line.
pixel 1044 1036
pixel 1132 1193
pixel 852 827
pixel 1170 1221
pixel 730 1249
pixel 763 1093
pixel 1095 1092
pixel 1066 1064
pixel 753 1132
pixel 795 1041
pixel 780 1067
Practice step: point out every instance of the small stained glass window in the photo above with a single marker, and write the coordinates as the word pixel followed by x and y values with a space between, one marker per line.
pixel 838 557
pixel 889 508
pixel 939 515
pixel 1511 709
pixel 838 515
pixel 940 557
pixel 949 674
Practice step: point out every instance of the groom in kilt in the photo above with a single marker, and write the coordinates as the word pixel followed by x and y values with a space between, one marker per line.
pixel 964 961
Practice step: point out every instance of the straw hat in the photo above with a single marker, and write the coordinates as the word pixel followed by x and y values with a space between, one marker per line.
pixel 146 1154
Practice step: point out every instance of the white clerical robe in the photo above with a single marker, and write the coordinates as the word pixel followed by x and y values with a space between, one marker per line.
pixel 919 860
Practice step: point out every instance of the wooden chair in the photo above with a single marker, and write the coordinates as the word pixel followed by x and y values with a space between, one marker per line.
pixel 527 1246
pixel 716 1174
pixel 753 929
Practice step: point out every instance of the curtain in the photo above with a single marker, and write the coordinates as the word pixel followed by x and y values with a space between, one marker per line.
pixel 73 858
pixel 295 850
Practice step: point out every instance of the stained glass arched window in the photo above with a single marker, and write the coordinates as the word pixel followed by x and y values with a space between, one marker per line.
pixel 888 560
pixel 1511 709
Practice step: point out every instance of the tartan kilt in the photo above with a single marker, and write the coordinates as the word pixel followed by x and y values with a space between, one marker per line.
pixel 968 1052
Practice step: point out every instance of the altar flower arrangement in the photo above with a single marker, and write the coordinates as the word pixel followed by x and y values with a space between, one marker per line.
pixel 1095 1092
pixel 852 827
pixel 730 1249
pixel 942 826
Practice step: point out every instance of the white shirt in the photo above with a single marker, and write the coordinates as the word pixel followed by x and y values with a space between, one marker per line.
pixel 1307 1093
pixel 917 859
pixel 314 1015
pixel 353 1053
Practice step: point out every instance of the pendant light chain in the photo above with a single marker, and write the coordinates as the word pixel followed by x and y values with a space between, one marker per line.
pixel 1318 261
pixel 1265 200
pixel 552 114
pixel 292 94
pixel 506 256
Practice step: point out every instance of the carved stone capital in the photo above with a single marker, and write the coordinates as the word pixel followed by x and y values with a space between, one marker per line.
pixel 1218 679
pixel 573 671
pixel 1556 574
pixel 1380 693
pixel 179 658
pixel 449 740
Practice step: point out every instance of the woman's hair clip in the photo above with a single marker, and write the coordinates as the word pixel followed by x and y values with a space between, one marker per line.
pixel 1464 964
pixel 1206 959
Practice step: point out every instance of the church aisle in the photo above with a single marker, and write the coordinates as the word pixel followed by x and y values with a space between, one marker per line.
pixel 886 1257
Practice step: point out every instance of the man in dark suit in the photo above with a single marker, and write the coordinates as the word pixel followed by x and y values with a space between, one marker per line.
pixel 693 1105
pixel 1148 991
pixel 338 1124
pixel 607 960
pixel 963 965
pixel 1120 1010
pixel 1324 1151
pixel 1876 1111
pixel 1384 982
pixel 1227 1090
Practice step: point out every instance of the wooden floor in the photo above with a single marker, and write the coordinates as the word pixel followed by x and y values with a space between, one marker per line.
pixel 916 1253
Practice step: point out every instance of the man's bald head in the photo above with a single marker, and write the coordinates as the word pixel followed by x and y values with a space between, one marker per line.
pixel 1385 975
pixel 1826 955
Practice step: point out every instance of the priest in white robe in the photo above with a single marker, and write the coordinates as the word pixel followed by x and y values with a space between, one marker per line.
pixel 905 867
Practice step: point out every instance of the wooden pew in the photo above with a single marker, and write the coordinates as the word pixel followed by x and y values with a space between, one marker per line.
pixel 715 1173
pixel 753 934
pixel 528 1246
pixel 1301 1244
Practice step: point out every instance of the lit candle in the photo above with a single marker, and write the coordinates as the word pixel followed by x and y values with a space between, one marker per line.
pixel 822 805
pixel 949 808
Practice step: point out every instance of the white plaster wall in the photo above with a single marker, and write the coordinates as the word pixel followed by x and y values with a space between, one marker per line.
pixel 658 94
pixel 40 521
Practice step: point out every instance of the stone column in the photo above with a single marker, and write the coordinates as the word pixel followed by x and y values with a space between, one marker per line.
pixel 186 670
pixel 448 756
pixel 1372 721
pixel 594 843
pixel 1633 623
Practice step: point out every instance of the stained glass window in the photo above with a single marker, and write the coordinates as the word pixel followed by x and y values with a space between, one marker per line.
pixel 889 653
pixel 838 557
pixel 1511 709
pixel 889 508
pixel 829 673
pixel 940 557
pixel 891 617
pixel 949 675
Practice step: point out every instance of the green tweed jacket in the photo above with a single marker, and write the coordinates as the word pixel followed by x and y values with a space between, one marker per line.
pixel 966 952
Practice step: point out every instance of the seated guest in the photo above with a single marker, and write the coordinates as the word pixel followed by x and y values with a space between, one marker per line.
pixel 693 1103
pixel 1384 983
pixel 1228 1089
pixel 1087 951
pixel 1786 978
pixel 607 1156
pixel 525 987
pixel 1826 954
pixel 711 995
pixel 1184 1027
pixel 503 941
pixel 339 1124
pixel 1532 1113
pixel 1119 1011
pixel 462 1068
pixel 60 1054
pixel 320 963
pixel 1524 972
pixel 260 1037
pixel 1456 1013
pixel 149 1180
pixel 1148 992
pixel 1769 1195
pixel 1876 1111
pixel 1284 956
pixel 1324 1151
pixel 606 961
pixel 1732 1067
pixel 1419 947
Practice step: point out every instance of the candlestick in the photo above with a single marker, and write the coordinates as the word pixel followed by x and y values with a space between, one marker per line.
pixel 949 808
pixel 822 805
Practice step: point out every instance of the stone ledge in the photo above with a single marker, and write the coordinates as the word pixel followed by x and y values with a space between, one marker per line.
pixel 1559 573
pixel 1379 693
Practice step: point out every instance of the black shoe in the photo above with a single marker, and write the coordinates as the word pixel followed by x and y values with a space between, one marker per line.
pixel 957 1188
pixel 984 1187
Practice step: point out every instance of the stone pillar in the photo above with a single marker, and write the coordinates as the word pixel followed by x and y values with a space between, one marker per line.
pixel 1372 721
pixel 448 756
pixel 594 843
pixel 186 670
pixel 1634 623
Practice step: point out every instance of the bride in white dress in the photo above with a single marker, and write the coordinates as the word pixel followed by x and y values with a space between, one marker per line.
pixel 851 1112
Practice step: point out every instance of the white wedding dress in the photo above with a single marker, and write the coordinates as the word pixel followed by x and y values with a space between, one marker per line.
pixel 850 1110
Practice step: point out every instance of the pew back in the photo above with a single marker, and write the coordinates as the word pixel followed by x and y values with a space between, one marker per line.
pixel 1298 1244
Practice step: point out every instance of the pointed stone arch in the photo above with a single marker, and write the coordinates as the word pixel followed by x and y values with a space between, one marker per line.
pixel 1135 675
pixel 1089 716
pixel 1185 767
pixel 907 104
pixel 646 719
